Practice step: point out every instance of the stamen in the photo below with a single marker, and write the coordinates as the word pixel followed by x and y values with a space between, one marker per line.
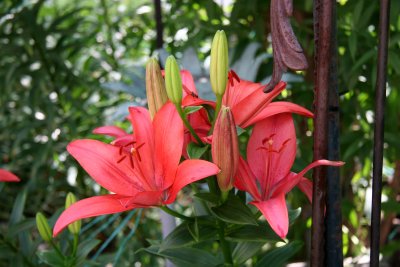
pixel 187 91
pixel 284 144
pixel 120 150
pixel 131 162
pixel 121 159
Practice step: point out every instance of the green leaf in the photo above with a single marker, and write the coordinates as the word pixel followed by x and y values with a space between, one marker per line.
pixel 245 250
pixel 195 151
pixel 261 233
pixel 294 214
pixel 186 256
pixel 208 197
pixel 85 248
pixel 279 256
pixel 18 208
pixel 191 109
pixel 19 227
pixel 234 211
pixel 51 258
pixel 190 233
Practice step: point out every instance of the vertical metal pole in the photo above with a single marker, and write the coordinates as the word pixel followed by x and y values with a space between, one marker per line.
pixel 323 56
pixel 378 131
pixel 159 25
pixel 333 222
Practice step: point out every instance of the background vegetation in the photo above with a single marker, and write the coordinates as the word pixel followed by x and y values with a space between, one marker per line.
pixel 67 67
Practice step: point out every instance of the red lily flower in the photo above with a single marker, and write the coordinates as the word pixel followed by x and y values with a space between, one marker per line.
pixel 266 175
pixel 248 102
pixel 142 170
pixel 6 176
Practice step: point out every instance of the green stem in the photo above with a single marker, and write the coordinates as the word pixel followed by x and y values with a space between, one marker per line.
pixel 224 245
pixel 217 109
pixel 175 213
pixel 224 195
pixel 75 245
pixel 187 124
pixel 56 248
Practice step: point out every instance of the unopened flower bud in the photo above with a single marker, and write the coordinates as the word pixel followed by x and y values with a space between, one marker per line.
pixel 219 63
pixel 155 87
pixel 225 148
pixel 43 227
pixel 74 227
pixel 173 81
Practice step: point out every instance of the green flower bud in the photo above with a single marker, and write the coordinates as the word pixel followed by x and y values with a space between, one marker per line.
pixel 155 87
pixel 74 227
pixel 43 227
pixel 219 63
pixel 173 81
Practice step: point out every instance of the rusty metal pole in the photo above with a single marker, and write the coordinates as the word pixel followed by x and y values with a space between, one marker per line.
pixel 323 56
pixel 379 130
pixel 159 24
pixel 333 222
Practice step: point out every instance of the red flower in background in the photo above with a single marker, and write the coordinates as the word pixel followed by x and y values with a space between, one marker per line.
pixel 266 175
pixel 142 168
pixel 6 176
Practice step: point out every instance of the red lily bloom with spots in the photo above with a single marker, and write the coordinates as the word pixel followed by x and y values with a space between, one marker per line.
pixel 142 168
pixel 266 175
pixel 6 176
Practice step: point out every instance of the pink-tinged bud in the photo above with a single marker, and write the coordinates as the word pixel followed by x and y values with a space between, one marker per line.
pixel 155 87
pixel 225 148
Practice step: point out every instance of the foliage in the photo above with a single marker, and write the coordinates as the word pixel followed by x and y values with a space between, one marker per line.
pixel 67 66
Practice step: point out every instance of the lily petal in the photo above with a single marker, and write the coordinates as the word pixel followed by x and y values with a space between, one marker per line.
pixel 188 172
pixel 306 187
pixel 168 132
pixel 292 179
pixel 277 108
pixel 6 176
pixel 245 180
pixel 187 81
pixel 143 133
pixel 113 131
pixel 239 91
pixel 100 162
pixel 270 167
pixel 254 103
pixel 276 213
pixel 90 207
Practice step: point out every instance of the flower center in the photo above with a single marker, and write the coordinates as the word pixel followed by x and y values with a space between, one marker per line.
pixel 133 151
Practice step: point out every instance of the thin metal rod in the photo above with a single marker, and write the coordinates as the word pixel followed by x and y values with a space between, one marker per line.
pixel 323 56
pixel 379 131
pixel 333 222
pixel 159 24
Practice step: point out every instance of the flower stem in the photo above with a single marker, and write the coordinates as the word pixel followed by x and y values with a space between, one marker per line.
pixel 75 245
pixel 217 108
pixel 226 251
pixel 175 213
pixel 187 124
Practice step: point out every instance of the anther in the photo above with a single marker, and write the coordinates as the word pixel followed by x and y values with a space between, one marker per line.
pixel 121 159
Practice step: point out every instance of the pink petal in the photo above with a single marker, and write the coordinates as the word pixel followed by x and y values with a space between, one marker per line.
pixel 168 132
pixel 144 199
pixel 275 212
pixel 190 100
pixel 100 161
pixel 277 108
pixel 110 130
pixel 188 172
pixel 6 176
pixel 254 103
pixel 144 136
pixel 270 167
pixel 245 180
pixel 90 207
pixel 187 80
pixel 291 180
pixel 126 140
pixel 306 187
pixel 240 90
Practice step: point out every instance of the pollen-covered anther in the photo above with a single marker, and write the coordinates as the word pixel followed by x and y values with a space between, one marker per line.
pixel 268 144
pixel 232 77
pixel 135 151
